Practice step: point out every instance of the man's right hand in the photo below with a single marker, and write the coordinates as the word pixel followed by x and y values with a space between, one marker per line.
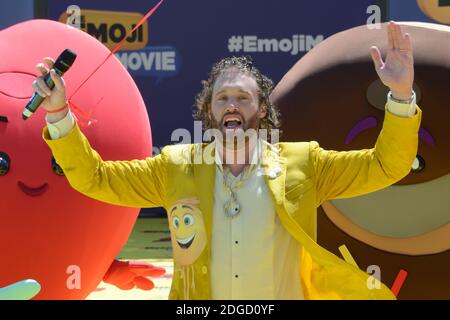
pixel 54 98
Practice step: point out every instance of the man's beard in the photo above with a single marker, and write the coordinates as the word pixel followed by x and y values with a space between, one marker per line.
pixel 236 138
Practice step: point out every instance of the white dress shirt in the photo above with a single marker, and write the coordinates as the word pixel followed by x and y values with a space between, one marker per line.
pixel 252 255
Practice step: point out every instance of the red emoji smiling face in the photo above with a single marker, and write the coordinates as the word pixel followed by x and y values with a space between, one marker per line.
pixel 14 148
pixel 333 96
pixel 48 231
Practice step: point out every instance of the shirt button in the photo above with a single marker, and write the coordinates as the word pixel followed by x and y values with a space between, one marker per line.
pixel 236 276
pixel 204 270
pixel 237 242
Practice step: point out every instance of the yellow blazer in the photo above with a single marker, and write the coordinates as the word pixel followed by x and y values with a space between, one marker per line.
pixel 309 176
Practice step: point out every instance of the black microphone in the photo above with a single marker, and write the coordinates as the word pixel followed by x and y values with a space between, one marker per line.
pixel 61 65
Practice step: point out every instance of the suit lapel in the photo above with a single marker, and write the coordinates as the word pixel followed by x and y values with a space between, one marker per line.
pixel 274 168
pixel 204 179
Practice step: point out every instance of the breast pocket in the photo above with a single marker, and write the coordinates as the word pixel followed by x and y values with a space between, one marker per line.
pixel 297 192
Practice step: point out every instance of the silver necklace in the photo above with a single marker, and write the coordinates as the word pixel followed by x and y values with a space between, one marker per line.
pixel 232 207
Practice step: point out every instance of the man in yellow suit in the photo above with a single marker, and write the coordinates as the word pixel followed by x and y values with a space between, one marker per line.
pixel 242 210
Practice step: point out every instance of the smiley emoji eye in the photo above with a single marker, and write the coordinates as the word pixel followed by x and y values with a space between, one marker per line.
pixel 5 163
pixel 188 220
pixel 175 222
pixel 418 164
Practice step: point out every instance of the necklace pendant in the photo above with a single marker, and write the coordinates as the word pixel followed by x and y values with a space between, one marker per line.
pixel 232 208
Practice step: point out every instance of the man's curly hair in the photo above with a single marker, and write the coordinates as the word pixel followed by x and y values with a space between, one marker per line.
pixel 272 120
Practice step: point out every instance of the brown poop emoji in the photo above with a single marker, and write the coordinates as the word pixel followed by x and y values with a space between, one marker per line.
pixel 333 95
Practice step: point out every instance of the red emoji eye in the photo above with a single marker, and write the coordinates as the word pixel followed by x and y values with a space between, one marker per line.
pixel 56 168
pixel 5 163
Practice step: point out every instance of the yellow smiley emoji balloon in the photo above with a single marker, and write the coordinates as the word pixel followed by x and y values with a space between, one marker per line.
pixel 187 229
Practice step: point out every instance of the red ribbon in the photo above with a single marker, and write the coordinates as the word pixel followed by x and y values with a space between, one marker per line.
pixel 85 119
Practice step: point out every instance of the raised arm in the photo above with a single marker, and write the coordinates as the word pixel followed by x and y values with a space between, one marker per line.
pixel 352 173
pixel 136 183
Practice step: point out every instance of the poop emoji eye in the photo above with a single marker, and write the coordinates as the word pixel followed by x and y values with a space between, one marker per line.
pixel 175 222
pixel 418 164
pixel 5 163
pixel 56 168
pixel 188 220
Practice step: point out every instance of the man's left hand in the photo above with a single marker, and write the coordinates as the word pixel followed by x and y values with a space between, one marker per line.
pixel 397 72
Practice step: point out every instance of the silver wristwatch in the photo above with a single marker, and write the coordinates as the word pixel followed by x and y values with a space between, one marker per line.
pixel 409 101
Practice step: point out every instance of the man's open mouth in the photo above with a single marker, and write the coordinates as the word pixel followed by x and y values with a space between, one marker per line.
pixel 232 122
pixel 185 243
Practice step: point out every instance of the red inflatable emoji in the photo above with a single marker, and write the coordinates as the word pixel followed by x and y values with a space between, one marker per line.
pixel 48 231
pixel 333 95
